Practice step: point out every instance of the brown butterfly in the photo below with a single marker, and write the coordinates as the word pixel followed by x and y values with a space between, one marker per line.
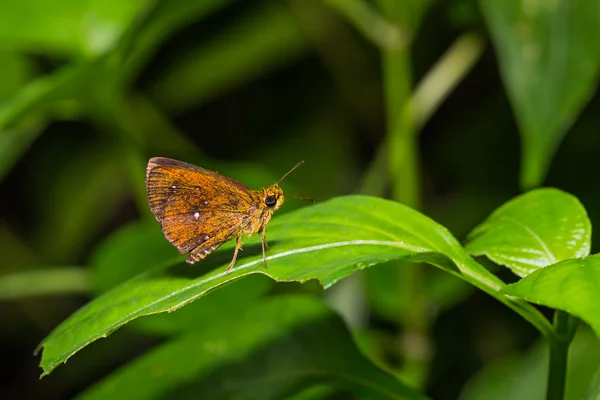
pixel 199 209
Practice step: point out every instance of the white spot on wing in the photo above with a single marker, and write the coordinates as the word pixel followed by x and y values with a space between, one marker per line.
pixel 196 215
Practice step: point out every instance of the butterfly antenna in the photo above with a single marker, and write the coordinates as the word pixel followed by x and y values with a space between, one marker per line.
pixel 291 195
pixel 290 171
pixel 301 198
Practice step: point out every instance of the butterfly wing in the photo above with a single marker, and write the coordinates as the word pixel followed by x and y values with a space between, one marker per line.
pixel 198 209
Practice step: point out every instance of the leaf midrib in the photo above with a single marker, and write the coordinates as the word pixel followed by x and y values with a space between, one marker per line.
pixel 140 312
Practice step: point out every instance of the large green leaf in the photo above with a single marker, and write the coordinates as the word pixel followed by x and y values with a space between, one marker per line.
pixel 572 285
pixel 264 352
pixel 549 58
pixel 534 230
pixel 140 245
pixel 326 242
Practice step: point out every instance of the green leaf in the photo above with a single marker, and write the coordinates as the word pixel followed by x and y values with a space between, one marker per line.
pixel 534 230
pixel 142 244
pixel 22 117
pixel 237 294
pixel 264 352
pixel 326 242
pixel 571 285
pixel 549 60
pixel 72 27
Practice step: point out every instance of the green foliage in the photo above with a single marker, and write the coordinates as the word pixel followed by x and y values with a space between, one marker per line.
pixel 570 285
pixel 345 234
pixel 528 232
pixel 550 63
pixel 267 351
pixel 362 91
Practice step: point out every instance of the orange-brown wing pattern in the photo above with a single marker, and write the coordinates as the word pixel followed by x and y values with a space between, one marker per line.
pixel 201 232
pixel 198 209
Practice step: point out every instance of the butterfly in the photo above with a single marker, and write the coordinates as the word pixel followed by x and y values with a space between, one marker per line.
pixel 199 209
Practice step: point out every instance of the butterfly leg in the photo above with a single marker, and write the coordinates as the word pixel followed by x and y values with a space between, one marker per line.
pixel 265 246
pixel 238 246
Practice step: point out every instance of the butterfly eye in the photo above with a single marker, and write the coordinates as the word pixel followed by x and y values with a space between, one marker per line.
pixel 270 201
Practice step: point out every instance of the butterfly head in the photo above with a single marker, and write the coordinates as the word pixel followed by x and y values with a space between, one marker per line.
pixel 273 197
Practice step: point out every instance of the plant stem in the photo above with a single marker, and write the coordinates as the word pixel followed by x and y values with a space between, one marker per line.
pixel 369 23
pixel 402 140
pixel 481 278
pixel 429 94
pixel 403 168
pixel 445 75
pixel 46 282
pixel 565 327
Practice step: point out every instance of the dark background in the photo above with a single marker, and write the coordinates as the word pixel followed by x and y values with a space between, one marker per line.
pixel 316 94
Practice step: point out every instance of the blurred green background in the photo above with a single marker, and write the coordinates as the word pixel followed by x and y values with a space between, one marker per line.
pixel 452 107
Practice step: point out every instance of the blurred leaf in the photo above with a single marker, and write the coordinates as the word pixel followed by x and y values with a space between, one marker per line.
pixel 263 41
pixel 81 201
pixel 160 136
pixel 319 392
pixel 134 248
pixel 593 392
pixel 534 230
pixel 440 291
pixel 549 59
pixel 100 25
pixel 71 27
pixel 16 253
pixel 13 143
pixel 22 116
pixel 238 294
pixel 570 285
pixel 161 20
pixel 266 352
pixel 445 291
pixel 326 242
pixel 44 282
pixel 15 71
pixel 524 376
